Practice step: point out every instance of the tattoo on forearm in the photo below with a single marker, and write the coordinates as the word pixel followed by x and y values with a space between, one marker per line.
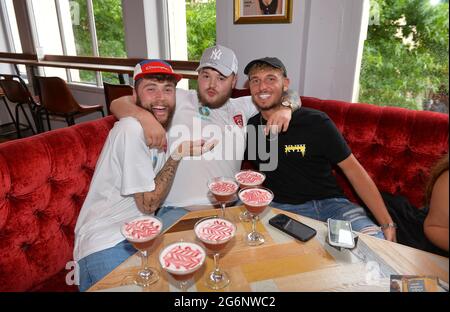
pixel 151 200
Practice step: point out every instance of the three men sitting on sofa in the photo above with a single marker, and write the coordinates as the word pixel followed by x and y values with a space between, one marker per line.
pixel 319 196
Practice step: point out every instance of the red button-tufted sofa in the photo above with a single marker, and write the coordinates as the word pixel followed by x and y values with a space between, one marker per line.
pixel 44 180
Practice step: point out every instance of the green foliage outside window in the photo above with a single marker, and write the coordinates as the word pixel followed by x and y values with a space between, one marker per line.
pixel 110 34
pixel 201 29
pixel 405 60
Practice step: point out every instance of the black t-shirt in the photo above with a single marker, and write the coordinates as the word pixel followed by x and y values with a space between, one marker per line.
pixel 306 153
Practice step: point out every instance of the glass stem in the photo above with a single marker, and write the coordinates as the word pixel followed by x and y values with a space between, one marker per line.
pixel 216 263
pixel 253 224
pixel 223 209
pixel 144 254
pixel 183 286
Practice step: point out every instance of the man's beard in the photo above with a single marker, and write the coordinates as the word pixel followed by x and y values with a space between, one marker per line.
pixel 148 107
pixel 219 102
pixel 268 107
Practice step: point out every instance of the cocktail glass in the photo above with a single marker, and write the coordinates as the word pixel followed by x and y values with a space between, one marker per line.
pixel 246 179
pixel 224 190
pixel 141 232
pixel 256 201
pixel 181 260
pixel 215 233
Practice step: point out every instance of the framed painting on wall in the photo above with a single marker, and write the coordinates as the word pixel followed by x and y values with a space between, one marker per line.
pixel 262 11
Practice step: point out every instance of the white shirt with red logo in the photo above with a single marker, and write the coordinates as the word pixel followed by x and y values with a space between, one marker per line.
pixel 192 121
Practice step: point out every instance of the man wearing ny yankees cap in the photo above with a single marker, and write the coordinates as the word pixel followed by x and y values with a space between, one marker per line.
pixel 130 179
pixel 207 109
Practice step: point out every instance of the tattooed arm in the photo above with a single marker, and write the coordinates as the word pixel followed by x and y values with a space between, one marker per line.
pixel 148 202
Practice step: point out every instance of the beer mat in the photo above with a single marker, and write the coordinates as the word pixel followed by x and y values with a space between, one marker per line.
pixel 415 283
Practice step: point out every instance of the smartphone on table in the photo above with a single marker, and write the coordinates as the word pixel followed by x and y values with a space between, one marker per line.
pixel 340 234
pixel 293 227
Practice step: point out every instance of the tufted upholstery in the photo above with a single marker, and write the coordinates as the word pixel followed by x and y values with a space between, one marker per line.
pixel 44 180
pixel 396 146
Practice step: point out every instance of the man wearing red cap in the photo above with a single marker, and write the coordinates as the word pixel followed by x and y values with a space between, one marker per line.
pixel 200 114
pixel 130 179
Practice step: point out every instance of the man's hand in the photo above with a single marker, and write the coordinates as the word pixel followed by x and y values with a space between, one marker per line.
pixel 193 148
pixel 154 132
pixel 390 234
pixel 279 121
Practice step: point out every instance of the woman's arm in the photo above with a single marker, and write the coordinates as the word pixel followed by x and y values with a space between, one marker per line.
pixel 436 222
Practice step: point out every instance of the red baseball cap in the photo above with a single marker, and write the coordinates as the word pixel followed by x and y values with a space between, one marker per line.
pixel 152 67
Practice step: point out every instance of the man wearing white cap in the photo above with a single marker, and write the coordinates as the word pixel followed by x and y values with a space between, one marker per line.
pixel 198 114
pixel 130 179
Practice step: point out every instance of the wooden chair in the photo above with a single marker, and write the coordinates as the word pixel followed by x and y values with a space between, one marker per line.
pixel 114 91
pixel 16 91
pixel 57 100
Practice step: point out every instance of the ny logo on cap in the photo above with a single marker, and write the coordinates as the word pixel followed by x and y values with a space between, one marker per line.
pixel 216 54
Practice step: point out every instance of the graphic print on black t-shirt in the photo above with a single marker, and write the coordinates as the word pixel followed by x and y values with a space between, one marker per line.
pixel 306 154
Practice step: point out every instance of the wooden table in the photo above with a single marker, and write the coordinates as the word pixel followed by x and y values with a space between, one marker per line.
pixel 284 264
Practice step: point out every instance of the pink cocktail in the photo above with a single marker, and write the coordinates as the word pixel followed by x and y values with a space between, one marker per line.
pixel 224 190
pixel 141 232
pixel 246 179
pixel 215 233
pixel 256 201
pixel 181 260
pixel 249 178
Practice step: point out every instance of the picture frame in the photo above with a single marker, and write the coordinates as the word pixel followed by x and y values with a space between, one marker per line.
pixel 262 11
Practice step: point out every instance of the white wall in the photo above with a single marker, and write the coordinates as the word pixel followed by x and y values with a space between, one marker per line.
pixel 320 48
pixel 333 48
pixel 258 40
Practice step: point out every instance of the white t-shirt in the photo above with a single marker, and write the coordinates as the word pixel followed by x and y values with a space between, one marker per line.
pixel 125 166
pixel 193 121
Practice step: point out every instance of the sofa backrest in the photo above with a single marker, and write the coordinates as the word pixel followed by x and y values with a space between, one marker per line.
pixel 44 180
pixel 396 146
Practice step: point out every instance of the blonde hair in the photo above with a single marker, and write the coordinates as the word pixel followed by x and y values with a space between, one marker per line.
pixel 436 172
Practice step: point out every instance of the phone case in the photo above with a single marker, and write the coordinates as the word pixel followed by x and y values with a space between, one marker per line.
pixel 337 245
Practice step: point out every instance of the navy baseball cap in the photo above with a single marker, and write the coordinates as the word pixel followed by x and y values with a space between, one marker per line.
pixel 272 61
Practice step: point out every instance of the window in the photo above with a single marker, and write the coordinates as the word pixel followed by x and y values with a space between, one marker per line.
pixel 80 28
pixel 405 61
pixel 48 33
pixel 192 28
pixel 12 31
